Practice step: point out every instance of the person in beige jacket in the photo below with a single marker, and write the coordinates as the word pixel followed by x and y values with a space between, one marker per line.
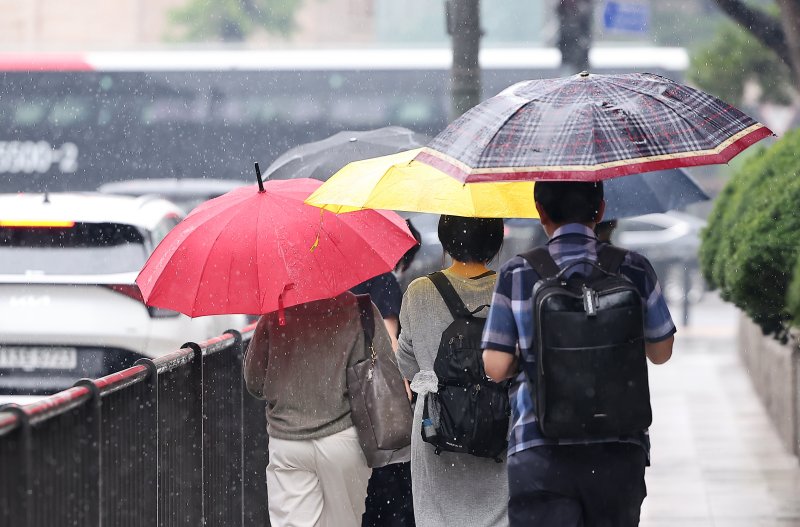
pixel 317 473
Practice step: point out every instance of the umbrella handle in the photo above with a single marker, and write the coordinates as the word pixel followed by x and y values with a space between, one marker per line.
pixel 281 311
pixel 258 176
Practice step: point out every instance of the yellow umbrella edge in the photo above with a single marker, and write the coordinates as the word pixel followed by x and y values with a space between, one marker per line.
pixel 397 182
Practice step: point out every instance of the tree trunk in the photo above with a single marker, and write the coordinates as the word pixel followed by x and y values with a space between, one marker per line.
pixel 790 21
pixel 767 29
pixel 575 34
pixel 463 25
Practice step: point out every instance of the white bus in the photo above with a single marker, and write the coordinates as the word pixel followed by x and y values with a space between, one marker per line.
pixel 75 121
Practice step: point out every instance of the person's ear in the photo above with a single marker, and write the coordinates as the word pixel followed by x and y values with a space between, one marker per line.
pixel 601 210
pixel 544 218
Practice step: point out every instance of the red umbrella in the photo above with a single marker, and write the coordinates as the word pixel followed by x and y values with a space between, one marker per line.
pixel 256 251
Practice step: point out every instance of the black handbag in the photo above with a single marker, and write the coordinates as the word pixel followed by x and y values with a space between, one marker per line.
pixel 379 404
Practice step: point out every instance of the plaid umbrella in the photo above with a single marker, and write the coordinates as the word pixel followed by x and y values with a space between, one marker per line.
pixel 588 128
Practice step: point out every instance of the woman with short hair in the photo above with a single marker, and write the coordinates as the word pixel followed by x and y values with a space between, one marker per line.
pixel 450 489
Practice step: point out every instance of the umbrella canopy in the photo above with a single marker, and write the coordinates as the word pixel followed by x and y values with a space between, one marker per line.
pixel 651 192
pixel 252 251
pixel 588 128
pixel 321 159
pixel 398 182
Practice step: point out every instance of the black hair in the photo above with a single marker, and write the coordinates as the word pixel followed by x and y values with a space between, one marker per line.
pixel 471 239
pixel 605 229
pixel 408 257
pixel 569 201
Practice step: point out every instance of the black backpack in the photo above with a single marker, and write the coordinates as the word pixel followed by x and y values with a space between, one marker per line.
pixel 470 412
pixel 591 368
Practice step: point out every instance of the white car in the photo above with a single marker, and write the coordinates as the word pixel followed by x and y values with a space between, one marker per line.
pixel 69 304
pixel 671 242
pixel 187 193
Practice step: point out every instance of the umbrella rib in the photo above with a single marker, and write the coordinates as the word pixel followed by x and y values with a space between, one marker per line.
pixel 169 256
pixel 338 249
pixel 530 99
pixel 258 252
pixel 208 253
pixel 668 103
pixel 370 247
pixel 280 205
pixel 499 127
pixel 196 229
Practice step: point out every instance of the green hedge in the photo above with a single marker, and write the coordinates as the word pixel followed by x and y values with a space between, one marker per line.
pixel 750 248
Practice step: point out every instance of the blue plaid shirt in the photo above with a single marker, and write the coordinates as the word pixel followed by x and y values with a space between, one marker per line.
pixel 510 324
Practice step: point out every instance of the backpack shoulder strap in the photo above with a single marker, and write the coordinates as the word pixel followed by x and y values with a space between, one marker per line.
pixel 449 295
pixel 542 262
pixel 610 258
pixel 367 316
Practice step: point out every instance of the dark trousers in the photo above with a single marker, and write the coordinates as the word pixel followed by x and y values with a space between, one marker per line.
pixel 598 485
pixel 389 501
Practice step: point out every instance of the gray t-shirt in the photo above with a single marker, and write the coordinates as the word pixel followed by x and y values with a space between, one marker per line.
pixel 450 488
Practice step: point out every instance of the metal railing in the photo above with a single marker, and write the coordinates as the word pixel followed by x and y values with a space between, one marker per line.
pixel 170 441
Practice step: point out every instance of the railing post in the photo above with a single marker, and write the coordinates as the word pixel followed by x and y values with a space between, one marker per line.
pixel 222 431
pixel 65 458
pixel 129 474
pixel 93 480
pixel 16 474
pixel 180 440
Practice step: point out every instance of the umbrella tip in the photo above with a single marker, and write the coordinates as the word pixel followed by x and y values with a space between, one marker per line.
pixel 258 176
pixel 584 73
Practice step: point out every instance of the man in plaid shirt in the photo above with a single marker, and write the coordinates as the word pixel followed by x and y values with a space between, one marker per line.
pixel 563 483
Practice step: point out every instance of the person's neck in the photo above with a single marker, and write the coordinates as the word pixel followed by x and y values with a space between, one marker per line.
pixel 468 269
pixel 551 228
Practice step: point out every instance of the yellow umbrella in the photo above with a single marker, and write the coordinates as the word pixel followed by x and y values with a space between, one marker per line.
pixel 397 182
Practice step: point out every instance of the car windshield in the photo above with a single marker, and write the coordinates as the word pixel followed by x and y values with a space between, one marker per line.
pixel 76 249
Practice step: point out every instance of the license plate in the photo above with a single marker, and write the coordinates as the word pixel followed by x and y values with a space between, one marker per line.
pixel 30 358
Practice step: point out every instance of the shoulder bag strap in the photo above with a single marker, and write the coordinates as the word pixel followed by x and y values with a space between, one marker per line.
pixel 449 295
pixel 542 262
pixel 610 258
pixel 367 317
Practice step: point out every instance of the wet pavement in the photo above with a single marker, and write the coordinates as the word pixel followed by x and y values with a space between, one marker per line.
pixel 716 458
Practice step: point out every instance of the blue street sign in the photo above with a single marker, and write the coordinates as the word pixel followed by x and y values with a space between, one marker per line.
pixel 626 16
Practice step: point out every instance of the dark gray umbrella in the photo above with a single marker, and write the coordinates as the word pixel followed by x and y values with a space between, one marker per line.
pixel 650 192
pixel 321 159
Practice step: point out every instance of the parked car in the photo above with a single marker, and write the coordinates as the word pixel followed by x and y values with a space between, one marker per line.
pixel 69 304
pixel 670 241
pixel 661 237
pixel 187 193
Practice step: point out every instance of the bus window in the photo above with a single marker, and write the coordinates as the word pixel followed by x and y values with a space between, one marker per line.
pixel 69 111
pixel 213 114
pixel 412 113
pixel 358 112
pixel 171 109
pixel 27 113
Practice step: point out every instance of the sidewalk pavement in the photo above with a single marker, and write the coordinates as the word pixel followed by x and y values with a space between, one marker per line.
pixel 716 459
